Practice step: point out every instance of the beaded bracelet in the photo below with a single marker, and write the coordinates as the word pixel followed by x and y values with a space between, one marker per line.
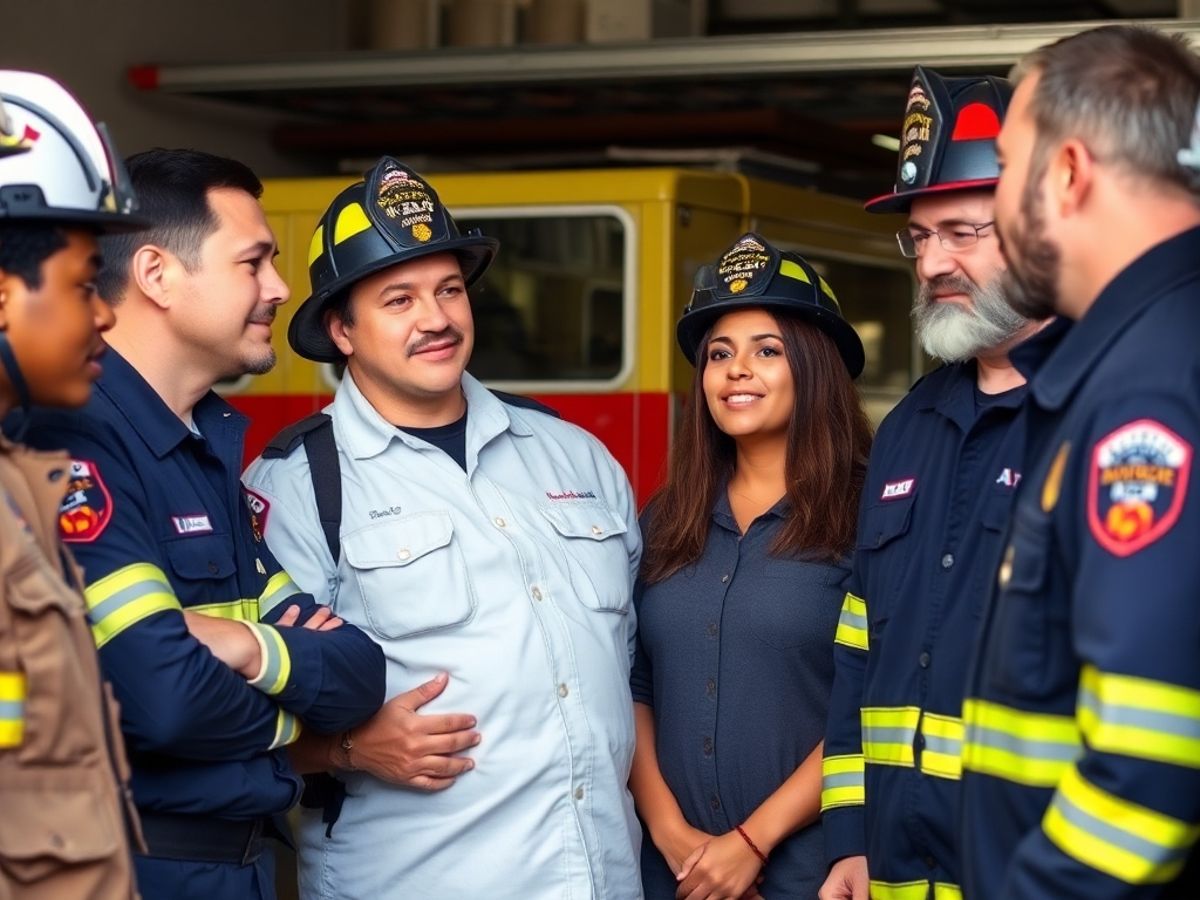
pixel 752 845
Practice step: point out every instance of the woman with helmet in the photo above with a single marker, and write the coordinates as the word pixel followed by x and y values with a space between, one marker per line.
pixel 739 590
pixel 67 826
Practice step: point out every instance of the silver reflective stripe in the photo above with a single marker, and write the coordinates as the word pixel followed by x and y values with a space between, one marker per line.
pixel 853 620
pixel 948 746
pixel 1022 747
pixel 136 591
pixel 878 735
pixel 1149 851
pixel 842 779
pixel 268 602
pixel 12 709
pixel 1113 714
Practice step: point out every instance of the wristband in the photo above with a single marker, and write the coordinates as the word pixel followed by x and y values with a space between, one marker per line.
pixel 745 837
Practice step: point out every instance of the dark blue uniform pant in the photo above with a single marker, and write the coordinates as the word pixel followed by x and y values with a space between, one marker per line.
pixel 176 879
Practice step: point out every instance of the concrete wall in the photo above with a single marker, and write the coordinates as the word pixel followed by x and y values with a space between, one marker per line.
pixel 89 44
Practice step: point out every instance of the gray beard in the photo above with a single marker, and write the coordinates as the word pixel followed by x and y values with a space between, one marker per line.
pixel 952 333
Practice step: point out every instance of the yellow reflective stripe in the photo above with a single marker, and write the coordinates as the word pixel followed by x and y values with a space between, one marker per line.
pixel 123 598
pixel 792 270
pixel 1139 717
pixel 287 729
pixel 242 610
pixel 842 781
pixel 914 890
pixel 888 733
pixel 279 587
pixel 350 221
pixel 277 665
pixel 1122 839
pixel 941 754
pixel 852 623
pixel 12 709
pixel 829 292
pixel 1034 749
pixel 317 245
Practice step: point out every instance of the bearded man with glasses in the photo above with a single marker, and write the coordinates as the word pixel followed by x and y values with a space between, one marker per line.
pixel 943 472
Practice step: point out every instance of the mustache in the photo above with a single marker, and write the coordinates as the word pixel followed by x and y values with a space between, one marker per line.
pixel 263 316
pixel 946 284
pixel 438 337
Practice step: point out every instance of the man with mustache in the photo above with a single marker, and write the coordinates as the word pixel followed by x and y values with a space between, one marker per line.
pixel 217 658
pixel 1082 751
pixel 942 476
pixel 490 547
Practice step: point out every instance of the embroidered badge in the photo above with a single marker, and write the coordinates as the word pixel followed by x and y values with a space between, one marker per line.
pixel 571 495
pixel 87 508
pixel 1008 478
pixel 1136 486
pixel 894 490
pixel 742 263
pixel 259 509
pixel 192 524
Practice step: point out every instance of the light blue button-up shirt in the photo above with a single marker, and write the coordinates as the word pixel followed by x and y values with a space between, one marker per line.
pixel 515 577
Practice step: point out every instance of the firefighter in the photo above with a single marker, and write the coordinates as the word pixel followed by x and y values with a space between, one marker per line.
pixel 217 658
pixel 490 547
pixel 1082 750
pixel 942 476
pixel 67 824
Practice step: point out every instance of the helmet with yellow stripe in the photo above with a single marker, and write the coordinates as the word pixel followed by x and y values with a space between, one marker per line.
pixel 392 216
pixel 754 274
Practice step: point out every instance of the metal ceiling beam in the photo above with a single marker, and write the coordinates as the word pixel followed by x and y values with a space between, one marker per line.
pixel 992 46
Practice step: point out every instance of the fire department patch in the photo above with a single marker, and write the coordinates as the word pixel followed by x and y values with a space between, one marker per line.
pixel 87 507
pixel 259 508
pixel 1136 486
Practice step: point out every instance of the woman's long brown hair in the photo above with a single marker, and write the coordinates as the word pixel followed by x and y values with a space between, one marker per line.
pixel 829 438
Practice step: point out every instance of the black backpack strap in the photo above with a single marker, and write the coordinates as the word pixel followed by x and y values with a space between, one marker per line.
pixel 316 434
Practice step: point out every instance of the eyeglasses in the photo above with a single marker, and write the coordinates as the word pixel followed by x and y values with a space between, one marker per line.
pixel 954 239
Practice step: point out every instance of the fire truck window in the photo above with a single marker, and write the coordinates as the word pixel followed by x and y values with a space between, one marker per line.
pixel 552 305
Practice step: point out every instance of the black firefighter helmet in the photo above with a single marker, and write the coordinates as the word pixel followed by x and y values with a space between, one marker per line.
pixel 753 274
pixel 392 216
pixel 948 139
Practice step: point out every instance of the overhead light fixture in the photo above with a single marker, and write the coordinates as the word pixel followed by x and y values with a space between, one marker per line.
pixel 886 141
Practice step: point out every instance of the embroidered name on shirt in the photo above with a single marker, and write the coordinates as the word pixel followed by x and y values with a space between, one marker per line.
pixel 571 495
pixel 1008 477
pixel 191 524
pixel 894 490
pixel 383 513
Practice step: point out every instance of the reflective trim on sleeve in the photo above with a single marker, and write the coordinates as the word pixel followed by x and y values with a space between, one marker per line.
pixel 1034 749
pixel 12 709
pixel 888 733
pixel 279 587
pixel 915 890
pixel 242 610
pixel 287 729
pixel 277 663
pixel 1139 717
pixel 852 623
pixel 941 754
pixel 842 781
pixel 123 598
pixel 1121 839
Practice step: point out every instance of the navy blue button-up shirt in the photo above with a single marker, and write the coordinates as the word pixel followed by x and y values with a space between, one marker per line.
pixel 156 515
pixel 941 480
pixel 735 657
pixel 1081 766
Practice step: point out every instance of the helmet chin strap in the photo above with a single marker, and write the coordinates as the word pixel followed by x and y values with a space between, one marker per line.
pixel 9 359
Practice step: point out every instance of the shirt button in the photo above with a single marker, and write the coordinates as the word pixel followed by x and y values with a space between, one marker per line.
pixel 923 660
pixel 578 793
pixel 947 560
pixel 536 592
pixel 597 530
pixel 711 687
pixel 563 690
pixel 715 802
pixel 708 746
pixel 212 567
pixel 931 862
pixel 499 520
pixel 712 629
pixel 403 553
pixel 725 579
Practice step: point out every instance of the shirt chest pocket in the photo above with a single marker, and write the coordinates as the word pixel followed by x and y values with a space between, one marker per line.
pixel 410 574
pixel 591 538
pixel 882 558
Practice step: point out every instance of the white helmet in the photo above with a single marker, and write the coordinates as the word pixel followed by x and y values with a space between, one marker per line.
pixel 56 165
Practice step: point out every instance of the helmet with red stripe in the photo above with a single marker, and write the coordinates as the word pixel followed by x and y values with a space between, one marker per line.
pixel 948 138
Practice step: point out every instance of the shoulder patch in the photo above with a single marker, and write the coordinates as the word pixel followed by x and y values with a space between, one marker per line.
pixel 1137 483
pixel 259 508
pixel 291 437
pixel 87 508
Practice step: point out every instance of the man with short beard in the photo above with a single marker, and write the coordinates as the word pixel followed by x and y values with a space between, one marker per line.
pixel 215 655
pixel 942 476
pixel 1081 763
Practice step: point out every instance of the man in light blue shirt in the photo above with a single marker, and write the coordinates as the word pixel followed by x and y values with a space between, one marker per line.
pixel 490 548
